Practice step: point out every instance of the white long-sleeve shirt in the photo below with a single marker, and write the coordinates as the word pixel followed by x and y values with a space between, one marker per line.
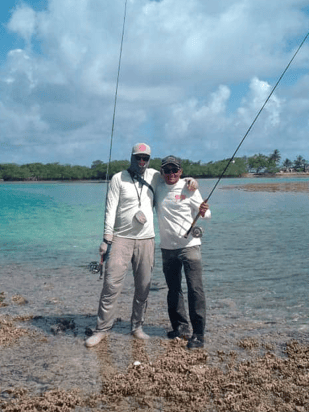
pixel 176 208
pixel 124 199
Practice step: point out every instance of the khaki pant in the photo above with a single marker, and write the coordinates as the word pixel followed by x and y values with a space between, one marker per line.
pixel 124 251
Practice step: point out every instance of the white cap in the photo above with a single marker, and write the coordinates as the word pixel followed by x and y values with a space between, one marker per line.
pixel 141 148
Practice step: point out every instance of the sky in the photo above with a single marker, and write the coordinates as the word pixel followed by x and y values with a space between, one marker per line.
pixel 193 76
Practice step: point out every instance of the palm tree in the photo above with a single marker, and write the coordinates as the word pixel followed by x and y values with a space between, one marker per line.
pixel 287 164
pixel 275 157
pixel 300 164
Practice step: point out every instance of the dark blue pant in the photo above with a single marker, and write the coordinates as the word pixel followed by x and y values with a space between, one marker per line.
pixel 190 259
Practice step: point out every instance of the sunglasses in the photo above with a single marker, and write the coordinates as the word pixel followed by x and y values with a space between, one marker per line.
pixel 138 158
pixel 170 170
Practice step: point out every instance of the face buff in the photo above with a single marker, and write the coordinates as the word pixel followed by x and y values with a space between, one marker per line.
pixel 136 171
pixel 136 168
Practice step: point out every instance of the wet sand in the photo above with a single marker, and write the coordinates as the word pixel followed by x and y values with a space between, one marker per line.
pixel 46 314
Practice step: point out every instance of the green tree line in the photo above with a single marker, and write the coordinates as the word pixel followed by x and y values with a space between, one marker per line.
pixel 240 166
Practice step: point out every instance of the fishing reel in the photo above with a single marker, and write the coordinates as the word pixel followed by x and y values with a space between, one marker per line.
pixel 197 232
pixel 94 267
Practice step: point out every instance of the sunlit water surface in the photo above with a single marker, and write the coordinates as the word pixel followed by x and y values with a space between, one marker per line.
pixel 255 247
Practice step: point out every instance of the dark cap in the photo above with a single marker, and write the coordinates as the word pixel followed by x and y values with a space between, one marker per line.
pixel 171 160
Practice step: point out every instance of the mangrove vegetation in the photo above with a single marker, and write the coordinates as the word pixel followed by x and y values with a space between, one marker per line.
pixel 239 166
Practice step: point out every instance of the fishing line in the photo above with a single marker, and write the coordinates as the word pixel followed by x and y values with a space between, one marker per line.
pixel 248 131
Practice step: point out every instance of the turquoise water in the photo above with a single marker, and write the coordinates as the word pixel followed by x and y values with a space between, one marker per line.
pixel 255 247
pixel 51 224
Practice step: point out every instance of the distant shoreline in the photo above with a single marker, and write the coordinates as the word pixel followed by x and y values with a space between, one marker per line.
pixel 245 176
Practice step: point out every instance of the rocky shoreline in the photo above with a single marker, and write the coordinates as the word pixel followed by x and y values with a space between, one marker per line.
pixel 272 187
pixel 45 317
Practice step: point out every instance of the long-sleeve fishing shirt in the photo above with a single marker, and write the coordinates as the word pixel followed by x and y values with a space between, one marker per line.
pixel 176 209
pixel 125 198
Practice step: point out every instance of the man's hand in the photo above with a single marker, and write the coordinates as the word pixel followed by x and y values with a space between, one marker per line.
pixel 104 245
pixel 192 184
pixel 203 208
pixel 103 249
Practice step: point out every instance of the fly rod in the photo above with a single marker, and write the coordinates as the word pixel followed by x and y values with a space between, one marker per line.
pixel 116 94
pixel 105 257
pixel 246 134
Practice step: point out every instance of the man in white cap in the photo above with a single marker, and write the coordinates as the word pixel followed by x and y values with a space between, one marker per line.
pixel 129 228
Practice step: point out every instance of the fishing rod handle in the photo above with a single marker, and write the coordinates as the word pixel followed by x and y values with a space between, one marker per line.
pixel 196 219
pixel 192 225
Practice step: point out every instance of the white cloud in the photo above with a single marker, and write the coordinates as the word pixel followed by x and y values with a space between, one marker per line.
pixel 191 115
pixel 23 22
pixel 259 93
pixel 184 66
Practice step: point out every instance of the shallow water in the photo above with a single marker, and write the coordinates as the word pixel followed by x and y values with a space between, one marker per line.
pixel 59 223
pixel 255 274
pixel 258 256
pixel 254 247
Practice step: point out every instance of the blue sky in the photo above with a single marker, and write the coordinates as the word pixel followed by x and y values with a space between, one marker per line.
pixel 193 76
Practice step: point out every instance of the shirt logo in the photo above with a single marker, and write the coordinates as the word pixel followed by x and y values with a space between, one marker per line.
pixel 180 197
